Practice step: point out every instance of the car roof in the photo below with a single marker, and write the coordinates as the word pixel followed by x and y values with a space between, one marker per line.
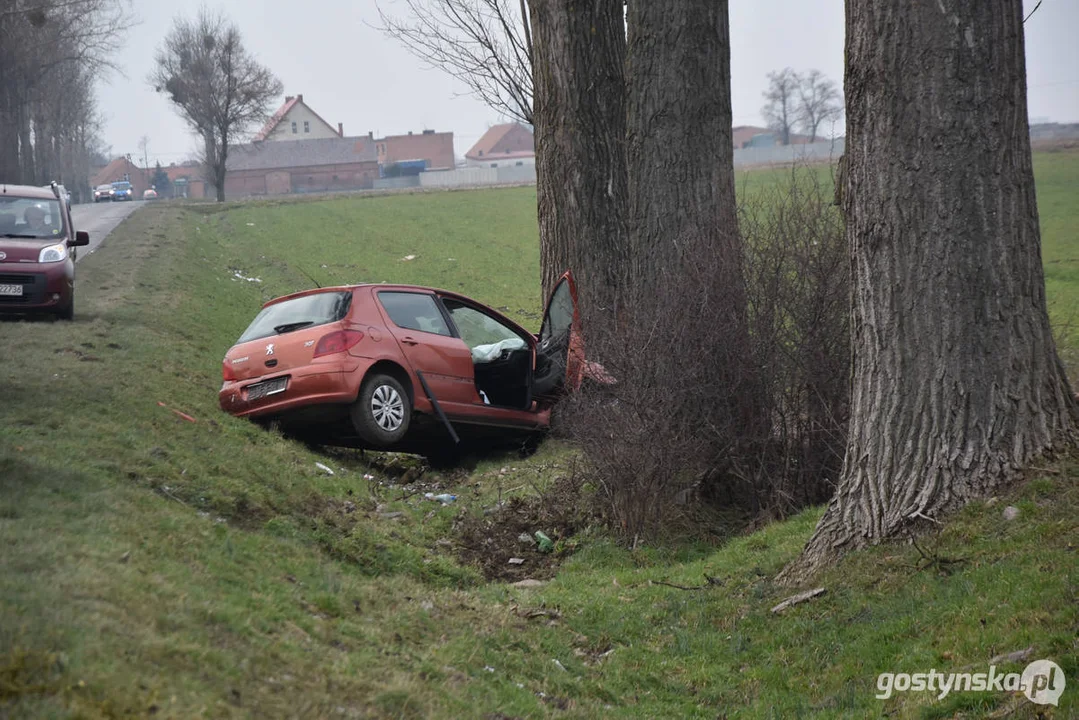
pixel 27 191
pixel 380 286
pixel 391 287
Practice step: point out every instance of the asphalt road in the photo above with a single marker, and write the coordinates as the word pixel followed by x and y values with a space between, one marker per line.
pixel 100 219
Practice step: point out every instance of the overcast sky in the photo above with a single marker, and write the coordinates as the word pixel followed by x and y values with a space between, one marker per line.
pixel 348 72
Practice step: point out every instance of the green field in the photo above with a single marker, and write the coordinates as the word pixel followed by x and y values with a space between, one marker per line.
pixel 155 566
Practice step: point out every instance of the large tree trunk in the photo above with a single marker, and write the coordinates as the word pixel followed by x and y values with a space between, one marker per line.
pixel 956 382
pixel 580 119
pixel 685 248
pixel 681 154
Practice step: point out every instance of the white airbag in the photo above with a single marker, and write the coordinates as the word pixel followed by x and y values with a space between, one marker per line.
pixel 486 353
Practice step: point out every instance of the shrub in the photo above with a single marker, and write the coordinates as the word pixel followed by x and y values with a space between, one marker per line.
pixel 738 410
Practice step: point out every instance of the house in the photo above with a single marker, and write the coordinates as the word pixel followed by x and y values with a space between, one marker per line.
pixel 502 145
pixel 408 154
pixel 309 165
pixel 119 170
pixel 295 120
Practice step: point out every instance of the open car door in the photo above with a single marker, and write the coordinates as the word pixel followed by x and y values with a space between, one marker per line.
pixel 560 348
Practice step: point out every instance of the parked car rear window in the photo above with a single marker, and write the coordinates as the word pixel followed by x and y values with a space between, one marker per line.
pixel 301 312
pixel 414 311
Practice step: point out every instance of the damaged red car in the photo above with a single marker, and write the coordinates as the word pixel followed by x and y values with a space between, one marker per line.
pixel 401 367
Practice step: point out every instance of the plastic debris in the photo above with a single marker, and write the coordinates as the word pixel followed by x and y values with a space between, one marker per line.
pixel 408 257
pixel 323 468
pixel 516 561
pixel 545 543
pixel 183 415
pixel 444 498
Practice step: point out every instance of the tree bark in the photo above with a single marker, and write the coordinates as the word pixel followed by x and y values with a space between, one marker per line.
pixel 680 149
pixel 956 382
pixel 580 119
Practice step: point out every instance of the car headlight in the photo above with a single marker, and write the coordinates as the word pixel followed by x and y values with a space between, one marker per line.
pixel 53 253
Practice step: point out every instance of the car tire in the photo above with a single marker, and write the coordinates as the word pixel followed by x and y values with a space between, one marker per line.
pixel 382 413
pixel 68 311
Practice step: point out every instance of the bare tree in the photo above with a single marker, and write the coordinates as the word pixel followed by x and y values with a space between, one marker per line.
pixel 956 383
pixel 486 44
pixel 819 102
pixel 51 52
pixel 215 84
pixel 781 107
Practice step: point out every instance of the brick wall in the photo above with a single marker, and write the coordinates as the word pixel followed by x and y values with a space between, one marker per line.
pixel 280 181
pixel 436 148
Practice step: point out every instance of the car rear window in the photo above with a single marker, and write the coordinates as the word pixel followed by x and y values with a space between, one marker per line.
pixel 414 311
pixel 298 313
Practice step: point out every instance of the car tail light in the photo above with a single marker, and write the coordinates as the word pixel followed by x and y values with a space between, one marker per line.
pixel 227 373
pixel 336 342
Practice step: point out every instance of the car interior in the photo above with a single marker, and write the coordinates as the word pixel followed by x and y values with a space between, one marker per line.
pixel 501 359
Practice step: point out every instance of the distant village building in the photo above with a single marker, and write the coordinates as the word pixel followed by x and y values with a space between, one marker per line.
pixel 297 151
pixel 316 165
pixel 122 170
pixel 296 121
pixel 411 154
pixel 509 144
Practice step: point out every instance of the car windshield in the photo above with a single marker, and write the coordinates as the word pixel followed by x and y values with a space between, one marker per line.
pixel 35 218
pixel 122 185
pixel 301 312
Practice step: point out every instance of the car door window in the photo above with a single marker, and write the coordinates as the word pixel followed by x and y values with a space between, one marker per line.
pixel 414 311
pixel 559 314
pixel 477 328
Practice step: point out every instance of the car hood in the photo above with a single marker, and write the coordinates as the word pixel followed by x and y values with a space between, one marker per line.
pixel 23 250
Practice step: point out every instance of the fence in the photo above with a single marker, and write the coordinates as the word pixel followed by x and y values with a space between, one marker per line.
pixel 828 150
pixel 474 176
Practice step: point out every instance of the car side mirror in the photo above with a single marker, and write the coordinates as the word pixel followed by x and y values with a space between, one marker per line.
pixel 81 238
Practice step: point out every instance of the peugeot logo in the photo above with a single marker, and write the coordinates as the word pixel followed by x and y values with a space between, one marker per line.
pixel 269 349
pixel 3 256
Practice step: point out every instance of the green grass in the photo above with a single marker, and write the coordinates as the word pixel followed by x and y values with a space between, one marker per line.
pixel 209 569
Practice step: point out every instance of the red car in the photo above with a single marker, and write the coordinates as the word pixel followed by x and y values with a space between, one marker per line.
pixel 37 251
pixel 400 367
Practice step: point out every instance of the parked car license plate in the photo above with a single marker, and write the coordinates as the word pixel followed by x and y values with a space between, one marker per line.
pixel 269 387
pixel 10 289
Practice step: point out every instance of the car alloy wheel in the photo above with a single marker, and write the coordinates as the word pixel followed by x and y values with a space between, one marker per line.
pixel 387 408
pixel 382 413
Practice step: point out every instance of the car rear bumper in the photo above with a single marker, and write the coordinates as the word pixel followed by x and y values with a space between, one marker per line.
pixel 331 383
pixel 47 287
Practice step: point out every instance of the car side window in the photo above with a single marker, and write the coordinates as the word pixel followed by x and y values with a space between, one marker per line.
pixel 414 311
pixel 477 328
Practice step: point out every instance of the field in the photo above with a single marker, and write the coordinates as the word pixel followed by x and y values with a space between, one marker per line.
pixel 157 566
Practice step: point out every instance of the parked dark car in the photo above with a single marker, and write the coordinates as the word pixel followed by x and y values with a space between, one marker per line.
pixel 37 252
pixel 402 367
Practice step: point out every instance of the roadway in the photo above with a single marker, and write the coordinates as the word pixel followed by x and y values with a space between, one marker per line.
pixel 100 219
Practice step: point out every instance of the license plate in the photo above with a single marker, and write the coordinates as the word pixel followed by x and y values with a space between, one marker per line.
pixel 270 387
pixel 10 289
